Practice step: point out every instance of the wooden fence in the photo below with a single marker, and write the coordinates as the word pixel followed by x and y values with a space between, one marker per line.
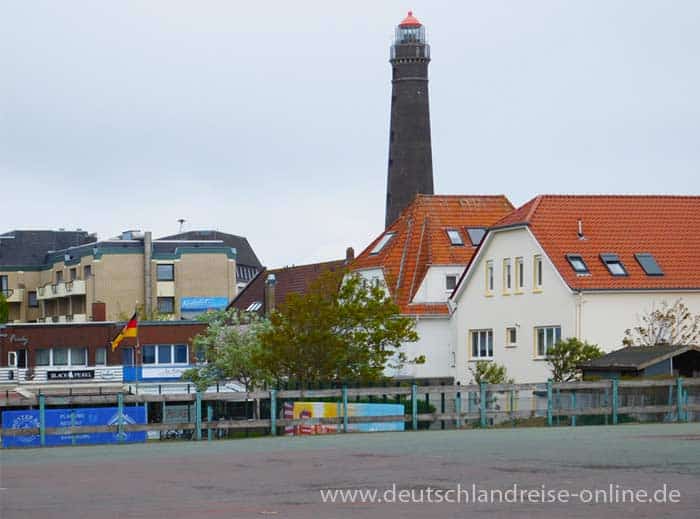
pixel 470 403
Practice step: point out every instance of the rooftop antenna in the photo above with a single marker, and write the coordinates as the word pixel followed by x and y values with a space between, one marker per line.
pixel 182 223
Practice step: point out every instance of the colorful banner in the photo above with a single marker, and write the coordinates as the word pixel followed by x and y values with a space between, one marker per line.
pixel 309 412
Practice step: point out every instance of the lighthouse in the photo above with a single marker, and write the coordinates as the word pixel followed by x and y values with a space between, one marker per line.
pixel 410 168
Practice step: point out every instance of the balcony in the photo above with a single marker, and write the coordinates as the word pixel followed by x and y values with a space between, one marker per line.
pixel 14 295
pixel 63 289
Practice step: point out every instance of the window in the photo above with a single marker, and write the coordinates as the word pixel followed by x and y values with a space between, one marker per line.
pixel 59 276
pixel 455 237
pixel 476 235
pixel 615 266
pixel 482 344
pixel 73 274
pixel 166 305
pixel 165 272
pixel 31 299
pixel 78 356
pixel 181 356
pixel 42 357
pixel 149 355
pixel 511 336
pixel 507 276
pixel 489 277
pixel 450 282
pixel 546 337
pixel 537 272
pixel 60 356
pixel 577 263
pixel 128 356
pixel 382 243
pixel 165 355
pixel 4 286
pixel 649 264
pixel 101 357
pixel 519 274
pixel 87 271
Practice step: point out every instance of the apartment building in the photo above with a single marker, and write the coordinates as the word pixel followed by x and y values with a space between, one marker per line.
pixel 70 276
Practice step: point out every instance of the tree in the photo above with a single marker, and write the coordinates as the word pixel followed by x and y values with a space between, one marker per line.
pixel 670 324
pixel 565 357
pixel 230 346
pixel 153 315
pixel 4 309
pixel 341 330
pixel 489 373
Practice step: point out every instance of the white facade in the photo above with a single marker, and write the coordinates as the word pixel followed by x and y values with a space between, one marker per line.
pixel 597 317
pixel 435 343
pixel 434 288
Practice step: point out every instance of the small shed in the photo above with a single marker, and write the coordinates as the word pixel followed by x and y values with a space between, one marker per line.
pixel 646 361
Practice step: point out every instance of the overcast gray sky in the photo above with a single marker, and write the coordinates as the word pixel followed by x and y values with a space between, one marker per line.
pixel 270 119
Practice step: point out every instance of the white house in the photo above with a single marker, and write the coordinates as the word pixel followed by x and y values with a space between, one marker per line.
pixel 572 266
pixel 419 258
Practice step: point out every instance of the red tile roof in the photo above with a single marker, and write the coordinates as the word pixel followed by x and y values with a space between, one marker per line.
pixel 295 279
pixel 421 241
pixel 668 227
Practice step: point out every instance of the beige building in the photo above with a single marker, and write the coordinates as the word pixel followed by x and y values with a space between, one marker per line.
pixel 83 279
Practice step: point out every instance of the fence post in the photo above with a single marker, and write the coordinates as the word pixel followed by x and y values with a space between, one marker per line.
pixel 42 420
pixel 120 417
pixel 615 402
pixel 72 424
pixel 273 412
pixel 679 397
pixel 414 406
pixel 198 415
pixel 549 402
pixel 482 404
pixel 210 417
pixel 512 406
pixel 458 408
pixel 345 408
pixel 442 409
pixel 573 408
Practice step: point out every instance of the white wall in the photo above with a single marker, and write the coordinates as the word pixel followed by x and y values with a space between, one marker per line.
pixel 432 289
pixel 606 315
pixel 436 344
pixel 553 305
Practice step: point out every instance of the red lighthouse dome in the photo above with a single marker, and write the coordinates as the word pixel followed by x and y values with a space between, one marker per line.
pixel 410 21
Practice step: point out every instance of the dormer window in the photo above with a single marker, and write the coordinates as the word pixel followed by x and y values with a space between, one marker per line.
pixel 649 264
pixel 476 235
pixel 382 243
pixel 455 237
pixel 615 266
pixel 577 263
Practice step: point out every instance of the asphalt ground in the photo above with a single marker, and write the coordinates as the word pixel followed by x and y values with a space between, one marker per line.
pixel 283 477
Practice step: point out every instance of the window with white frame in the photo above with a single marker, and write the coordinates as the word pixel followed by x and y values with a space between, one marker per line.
pixel 537 272
pixel 101 357
pixel 507 276
pixel 546 337
pixel 489 277
pixel 511 336
pixel 519 274
pixel 482 344
pixel 61 357
pixel 165 354
pixel 450 282
pixel 42 357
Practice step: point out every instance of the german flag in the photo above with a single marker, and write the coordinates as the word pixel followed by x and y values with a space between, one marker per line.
pixel 131 329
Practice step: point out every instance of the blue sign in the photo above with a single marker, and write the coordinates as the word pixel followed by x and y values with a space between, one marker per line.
pixel 76 417
pixel 202 304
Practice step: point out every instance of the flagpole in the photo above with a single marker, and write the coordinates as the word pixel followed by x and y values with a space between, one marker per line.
pixel 138 356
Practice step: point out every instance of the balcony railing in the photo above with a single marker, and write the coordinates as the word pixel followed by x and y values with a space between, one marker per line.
pixel 63 289
pixel 13 295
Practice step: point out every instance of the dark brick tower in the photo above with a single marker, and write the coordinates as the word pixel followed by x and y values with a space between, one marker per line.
pixel 410 155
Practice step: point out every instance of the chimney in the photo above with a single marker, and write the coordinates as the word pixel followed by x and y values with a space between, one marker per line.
pixel 580 230
pixel 270 283
pixel 349 255
pixel 99 311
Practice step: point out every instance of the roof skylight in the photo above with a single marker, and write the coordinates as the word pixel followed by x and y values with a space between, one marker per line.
pixel 649 264
pixel 615 266
pixel 382 243
pixel 577 263
pixel 476 235
pixel 455 237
